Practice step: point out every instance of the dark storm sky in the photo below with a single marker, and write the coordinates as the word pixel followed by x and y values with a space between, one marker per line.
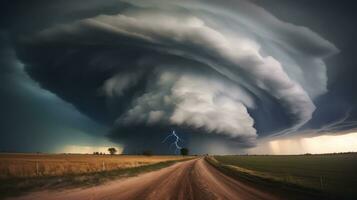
pixel 129 72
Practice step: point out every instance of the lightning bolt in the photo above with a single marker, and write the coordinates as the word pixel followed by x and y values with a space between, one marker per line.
pixel 175 142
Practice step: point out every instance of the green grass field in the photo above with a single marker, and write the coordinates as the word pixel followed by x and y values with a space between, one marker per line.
pixel 334 174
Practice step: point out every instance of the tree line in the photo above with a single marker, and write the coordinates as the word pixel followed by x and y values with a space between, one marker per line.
pixel 113 151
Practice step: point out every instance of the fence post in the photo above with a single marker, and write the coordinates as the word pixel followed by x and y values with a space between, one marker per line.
pixel 103 167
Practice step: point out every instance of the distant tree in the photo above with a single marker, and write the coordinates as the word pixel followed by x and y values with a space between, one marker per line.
pixel 184 151
pixel 112 150
pixel 95 153
pixel 147 153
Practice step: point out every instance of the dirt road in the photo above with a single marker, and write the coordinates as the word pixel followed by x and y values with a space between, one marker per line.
pixel 193 179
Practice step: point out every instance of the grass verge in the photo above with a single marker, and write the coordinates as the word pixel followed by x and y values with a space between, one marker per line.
pixel 265 182
pixel 20 186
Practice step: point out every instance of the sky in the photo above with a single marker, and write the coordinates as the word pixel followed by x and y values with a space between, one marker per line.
pixel 246 76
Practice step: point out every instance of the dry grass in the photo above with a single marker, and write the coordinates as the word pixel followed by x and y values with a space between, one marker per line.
pixel 40 165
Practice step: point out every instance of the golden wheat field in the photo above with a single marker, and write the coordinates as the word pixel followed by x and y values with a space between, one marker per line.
pixel 32 165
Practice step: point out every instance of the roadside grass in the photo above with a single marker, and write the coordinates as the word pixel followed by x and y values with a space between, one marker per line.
pixel 22 165
pixel 329 176
pixel 19 186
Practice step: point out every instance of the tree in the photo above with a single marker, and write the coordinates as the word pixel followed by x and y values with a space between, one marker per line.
pixel 184 151
pixel 147 152
pixel 112 150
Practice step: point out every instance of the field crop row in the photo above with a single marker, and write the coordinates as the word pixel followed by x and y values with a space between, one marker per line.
pixel 39 165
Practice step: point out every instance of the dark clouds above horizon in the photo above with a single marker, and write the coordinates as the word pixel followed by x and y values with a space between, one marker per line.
pixel 223 76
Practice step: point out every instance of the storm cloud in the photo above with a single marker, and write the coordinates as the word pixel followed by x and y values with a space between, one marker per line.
pixel 209 69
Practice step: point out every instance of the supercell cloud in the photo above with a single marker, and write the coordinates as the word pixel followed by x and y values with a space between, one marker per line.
pixel 207 68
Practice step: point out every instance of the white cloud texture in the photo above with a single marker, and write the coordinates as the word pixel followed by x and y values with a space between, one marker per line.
pixel 209 63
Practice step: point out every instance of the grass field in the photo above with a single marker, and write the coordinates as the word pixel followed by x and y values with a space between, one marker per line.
pixel 334 174
pixel 39 165
pixel 21 173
